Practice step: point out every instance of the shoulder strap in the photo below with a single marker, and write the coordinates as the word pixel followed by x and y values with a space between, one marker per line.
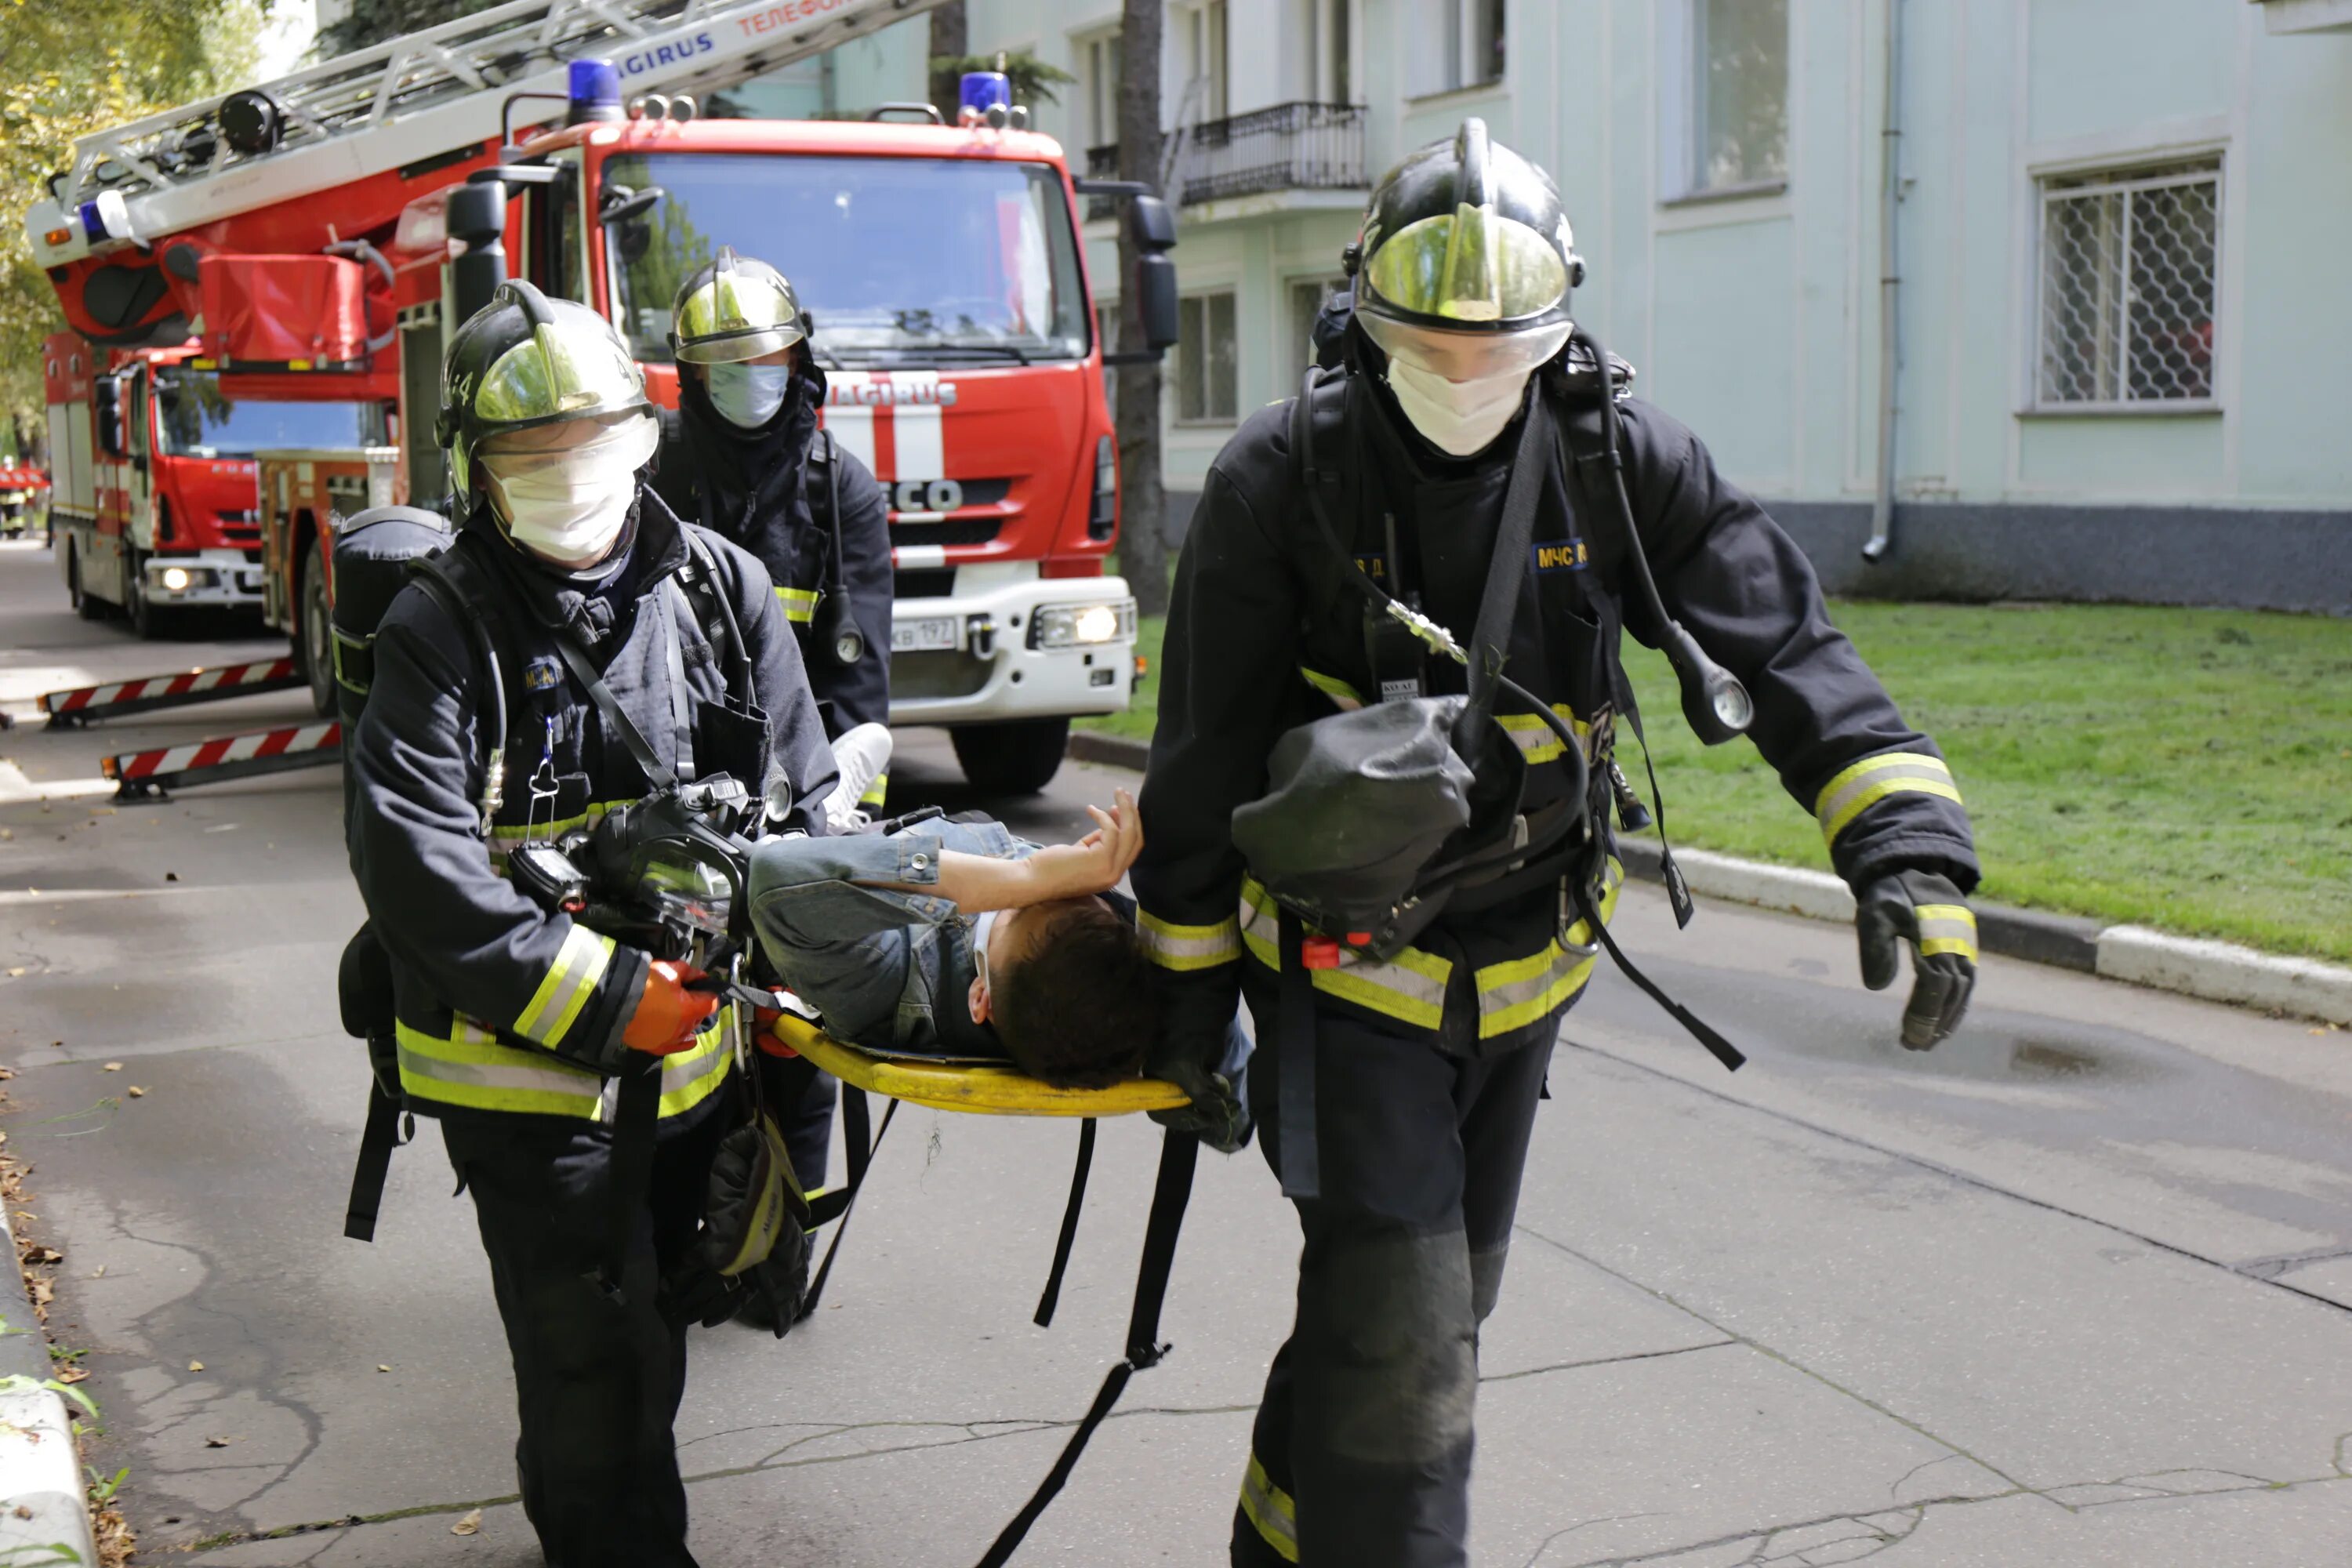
pixel 657 772
pixel 445 578
pixel 712 607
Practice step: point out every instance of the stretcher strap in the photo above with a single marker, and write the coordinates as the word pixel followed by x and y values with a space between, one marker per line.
pixel 1052 1296
pixel 1723 1050
pixel 1302 1163
pixel 377 1141
pixel 636 1119
pixel 1178 1153
pixel 856 1121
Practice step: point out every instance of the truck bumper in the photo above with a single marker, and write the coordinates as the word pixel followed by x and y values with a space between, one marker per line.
pixel 222 579
pixel 994 671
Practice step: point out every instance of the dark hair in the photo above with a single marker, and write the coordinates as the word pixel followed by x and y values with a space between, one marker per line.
pixel 1081 1009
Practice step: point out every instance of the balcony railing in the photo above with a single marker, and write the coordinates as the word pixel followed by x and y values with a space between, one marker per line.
pixel 1289 147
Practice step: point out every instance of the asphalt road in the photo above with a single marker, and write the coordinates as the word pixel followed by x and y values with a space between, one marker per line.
pixel 2075 1288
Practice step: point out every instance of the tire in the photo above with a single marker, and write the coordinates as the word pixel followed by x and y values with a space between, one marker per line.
pixel 86 604
pixel 1018 758
pixel 144 617
pixel 316 629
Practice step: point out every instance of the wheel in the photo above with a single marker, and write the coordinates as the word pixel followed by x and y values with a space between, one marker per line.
pixel 143 615
pixel 318 630
pixel 1019 758
pixel 86 604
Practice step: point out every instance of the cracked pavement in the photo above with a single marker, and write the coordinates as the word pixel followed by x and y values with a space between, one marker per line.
pixel 2075 1288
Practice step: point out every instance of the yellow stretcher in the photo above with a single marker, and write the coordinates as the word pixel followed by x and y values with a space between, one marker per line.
pixel 978 1087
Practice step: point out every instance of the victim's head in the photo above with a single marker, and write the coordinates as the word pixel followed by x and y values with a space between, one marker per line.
pixel 1071 992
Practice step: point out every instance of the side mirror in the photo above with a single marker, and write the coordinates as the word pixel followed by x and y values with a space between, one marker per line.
pixel 1153 229
pixel 106 392
pixel 619 203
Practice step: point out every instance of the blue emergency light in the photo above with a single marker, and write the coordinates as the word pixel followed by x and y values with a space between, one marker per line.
pixel 594 90
pixel 983 90
pixel 93 227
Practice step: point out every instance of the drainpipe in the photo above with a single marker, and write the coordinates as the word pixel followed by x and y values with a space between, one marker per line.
pixel 1890 283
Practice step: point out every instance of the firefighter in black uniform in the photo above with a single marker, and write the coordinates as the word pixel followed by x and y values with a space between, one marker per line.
pixel 512 1021
pixel 743 456
pixel 1427 1067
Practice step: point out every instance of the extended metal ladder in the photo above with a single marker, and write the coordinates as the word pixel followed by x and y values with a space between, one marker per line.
pixel 417 99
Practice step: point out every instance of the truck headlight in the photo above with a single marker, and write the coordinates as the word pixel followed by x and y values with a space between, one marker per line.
pixel 1081 625
pixel 175 579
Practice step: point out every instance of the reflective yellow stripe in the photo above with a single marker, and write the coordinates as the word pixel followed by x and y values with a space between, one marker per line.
pixel 1409 987
pixel 1947 928
pixel 1331 686
pixel 800 605
pixel 1872 779
pixel 504 836
pixel 1535 738
pixel 878 791
pixel 571 980
pixel 1182 948
pixel 472 1069
pixel 1270 1510
pixel 1523 991
pixel 689 1075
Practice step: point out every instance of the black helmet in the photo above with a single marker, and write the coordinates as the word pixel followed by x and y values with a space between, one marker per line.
pixel 735 308
pixel 524 361
pixel 1465 260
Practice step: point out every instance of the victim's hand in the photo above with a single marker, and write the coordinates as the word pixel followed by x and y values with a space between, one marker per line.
pixel 1095 863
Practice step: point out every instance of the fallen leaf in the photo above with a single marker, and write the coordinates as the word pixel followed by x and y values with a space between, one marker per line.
pixel 216 1442
pixel 381 1366
pixel 171 876
pixel 468 1525
pixel 70 1374
pixel 101 1272
pixel 110 1067
pixel 39 1254
pixel 23 1513
pixel 15 972
pixel 195 1366
pixel 134 1091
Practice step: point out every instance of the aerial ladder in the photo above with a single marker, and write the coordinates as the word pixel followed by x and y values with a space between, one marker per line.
pixel 160 223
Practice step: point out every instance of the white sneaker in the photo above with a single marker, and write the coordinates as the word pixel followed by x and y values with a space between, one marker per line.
pixel 861 754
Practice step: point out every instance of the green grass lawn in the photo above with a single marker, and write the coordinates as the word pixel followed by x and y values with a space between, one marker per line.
pixel 2187 768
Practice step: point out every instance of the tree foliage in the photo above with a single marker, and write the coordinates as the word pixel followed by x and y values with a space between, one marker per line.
pixel 379 21
pixel 1034 80
pixel 68 70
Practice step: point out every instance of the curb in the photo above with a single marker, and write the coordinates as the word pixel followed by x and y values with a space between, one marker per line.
pixel 41 1501
pixel 2215 971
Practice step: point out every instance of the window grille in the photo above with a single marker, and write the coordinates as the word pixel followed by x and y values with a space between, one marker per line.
pixel 2128 263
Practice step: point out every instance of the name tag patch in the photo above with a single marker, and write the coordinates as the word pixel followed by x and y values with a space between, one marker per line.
pixel 543 674
pixel 1561 555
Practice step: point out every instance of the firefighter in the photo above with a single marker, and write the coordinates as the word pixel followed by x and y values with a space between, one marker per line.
pixel 743 456
pixel 512 1023
pixel 1425 1069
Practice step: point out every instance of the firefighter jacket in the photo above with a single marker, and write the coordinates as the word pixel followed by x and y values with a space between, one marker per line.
pixel 1263 635
pixel 779 491
pixel 501 1007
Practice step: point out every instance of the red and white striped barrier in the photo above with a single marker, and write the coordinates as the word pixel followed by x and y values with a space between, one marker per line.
pixel 85 703
pixel 140 775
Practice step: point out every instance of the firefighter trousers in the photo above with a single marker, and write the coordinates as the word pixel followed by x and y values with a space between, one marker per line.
pixel 597 1382
pixel 1361 1456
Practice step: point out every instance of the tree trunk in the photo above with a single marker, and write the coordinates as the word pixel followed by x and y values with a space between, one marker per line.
pixel 1142 503
pixel 950 40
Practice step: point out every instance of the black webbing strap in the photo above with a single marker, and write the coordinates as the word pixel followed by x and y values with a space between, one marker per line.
pixel 378 1139
pixel 1302 1159
pixel 856 1120
pixel 1179 1153
pixel 637 1120
pixel 1068 1238
pixel 1723 1050
pixel 681 695
pixel 657 772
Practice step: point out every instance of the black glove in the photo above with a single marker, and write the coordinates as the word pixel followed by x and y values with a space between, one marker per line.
pixel 1217 1116
pixel 1927 911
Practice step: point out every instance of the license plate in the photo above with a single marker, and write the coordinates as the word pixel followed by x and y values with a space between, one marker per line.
pixel 931 634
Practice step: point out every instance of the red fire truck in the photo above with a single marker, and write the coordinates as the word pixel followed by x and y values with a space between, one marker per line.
pixel 152 509
pixel 330 229
pixel 22 493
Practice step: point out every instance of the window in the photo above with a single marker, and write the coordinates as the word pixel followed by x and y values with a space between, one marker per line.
pixel 2128 260
pixel 1102 58
pixel 1206 65
pixel 1329 34
pixel 1306 297
pixel 1208 380
pixel 1460 43
pixel 1739 94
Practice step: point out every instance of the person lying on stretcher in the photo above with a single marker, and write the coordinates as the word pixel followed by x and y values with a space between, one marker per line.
pixel 956 939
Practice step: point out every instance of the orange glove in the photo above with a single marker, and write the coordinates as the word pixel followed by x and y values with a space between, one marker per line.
pixel 763 1021
pixel 668 1015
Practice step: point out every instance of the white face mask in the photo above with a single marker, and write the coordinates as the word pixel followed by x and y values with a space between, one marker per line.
pixel 748 396
pixel 1460 418
pixel 568 505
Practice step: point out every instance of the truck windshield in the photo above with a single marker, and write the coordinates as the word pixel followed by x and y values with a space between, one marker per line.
pixel 197 421
pixel 893 257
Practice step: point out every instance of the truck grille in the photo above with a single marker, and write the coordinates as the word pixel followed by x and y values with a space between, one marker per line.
pixel 932 583
pixel 954 531
pixel 954 674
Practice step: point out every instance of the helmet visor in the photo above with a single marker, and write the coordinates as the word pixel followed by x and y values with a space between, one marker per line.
pixel 1472 266
pixel 1464 356
pixel 556 374
pixel 575 451
pixel 734 317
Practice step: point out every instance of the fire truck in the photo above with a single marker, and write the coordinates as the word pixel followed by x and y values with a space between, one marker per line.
pixel 21 488
pixel 153 509
pixel 327 231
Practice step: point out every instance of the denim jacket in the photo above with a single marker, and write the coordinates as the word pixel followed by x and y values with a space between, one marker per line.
pixel 886 969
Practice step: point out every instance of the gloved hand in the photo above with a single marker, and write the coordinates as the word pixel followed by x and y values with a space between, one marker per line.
pixel 1217 1116
pixel 1925 910
pixel 668 1015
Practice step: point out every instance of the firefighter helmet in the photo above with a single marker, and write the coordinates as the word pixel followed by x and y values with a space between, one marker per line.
pixel 523 362
pixel 735 308
pixel 1466 262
